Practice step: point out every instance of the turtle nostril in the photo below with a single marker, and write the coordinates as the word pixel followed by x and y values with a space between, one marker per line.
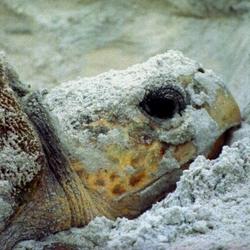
pixel 164 102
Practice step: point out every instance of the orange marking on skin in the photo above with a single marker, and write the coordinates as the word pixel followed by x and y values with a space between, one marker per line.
pixel 162 151
pixel 116 180
pixel 136 178
pixel 118 189
pixel 113 176
pixel 100 182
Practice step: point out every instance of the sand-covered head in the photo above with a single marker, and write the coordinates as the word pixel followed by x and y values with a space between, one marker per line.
pixel 129 134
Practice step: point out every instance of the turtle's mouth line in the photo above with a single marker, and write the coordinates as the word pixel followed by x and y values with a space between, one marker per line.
pixel 176 173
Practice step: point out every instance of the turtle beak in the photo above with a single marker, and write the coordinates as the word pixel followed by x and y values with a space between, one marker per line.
pixel 226 113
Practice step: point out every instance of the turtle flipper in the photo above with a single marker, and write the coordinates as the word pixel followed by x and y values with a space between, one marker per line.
pixel 37 203
pixel 53 200
pixel 21 155
pixel 46 197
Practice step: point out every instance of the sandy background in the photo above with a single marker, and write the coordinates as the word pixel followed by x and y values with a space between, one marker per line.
pixel 49 42
pixel 53 41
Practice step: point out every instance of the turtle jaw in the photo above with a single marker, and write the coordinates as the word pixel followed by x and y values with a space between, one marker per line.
pixel 132 204
pixel 124 195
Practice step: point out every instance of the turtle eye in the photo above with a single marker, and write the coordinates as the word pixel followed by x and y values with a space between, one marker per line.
pixel 164 102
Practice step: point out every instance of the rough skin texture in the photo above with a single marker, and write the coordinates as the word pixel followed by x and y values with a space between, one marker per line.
pixel 20 149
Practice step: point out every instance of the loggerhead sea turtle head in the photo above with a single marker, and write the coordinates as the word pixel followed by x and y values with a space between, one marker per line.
pixel 112 144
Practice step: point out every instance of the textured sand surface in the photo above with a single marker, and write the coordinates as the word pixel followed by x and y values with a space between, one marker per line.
pixel 53 41
pixel 49 42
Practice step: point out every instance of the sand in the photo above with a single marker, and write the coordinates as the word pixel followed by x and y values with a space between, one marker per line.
pixel 50 42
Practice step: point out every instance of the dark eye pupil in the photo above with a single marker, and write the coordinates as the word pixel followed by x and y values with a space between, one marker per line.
pixel 160 107
pixel 164 102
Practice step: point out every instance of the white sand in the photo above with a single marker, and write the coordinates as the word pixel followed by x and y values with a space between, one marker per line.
pixel 210 208
pixel 53 41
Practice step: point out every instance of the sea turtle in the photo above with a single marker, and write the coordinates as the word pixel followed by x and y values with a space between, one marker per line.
pixel 109 145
